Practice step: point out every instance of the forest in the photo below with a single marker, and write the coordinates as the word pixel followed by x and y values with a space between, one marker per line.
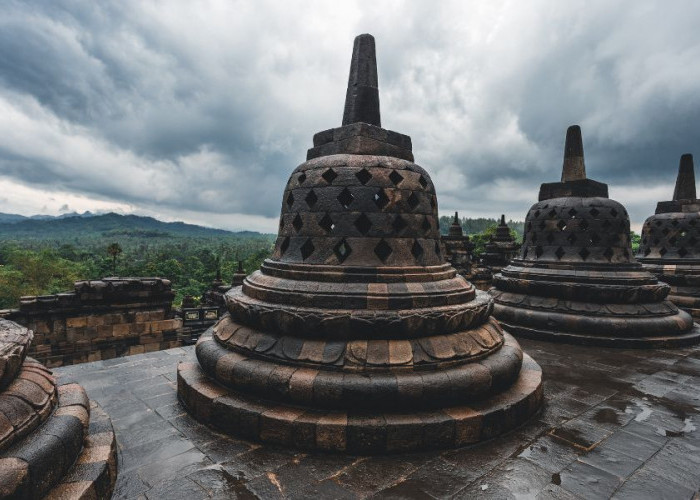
pixel 48 256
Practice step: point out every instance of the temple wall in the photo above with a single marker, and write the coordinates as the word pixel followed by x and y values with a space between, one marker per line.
pixel 100 319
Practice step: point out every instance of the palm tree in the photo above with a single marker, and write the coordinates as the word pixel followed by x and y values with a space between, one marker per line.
pixel 114 250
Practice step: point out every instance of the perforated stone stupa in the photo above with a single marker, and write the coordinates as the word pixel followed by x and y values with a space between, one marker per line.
pixel 357 336
pixel 458 247
pixel 576 279
pixel 670 246
pixel 501 249
pixel 53 441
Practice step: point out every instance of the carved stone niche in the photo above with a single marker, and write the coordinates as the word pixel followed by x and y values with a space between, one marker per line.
pixel 356 335
pixel 670 246
pixel 576 279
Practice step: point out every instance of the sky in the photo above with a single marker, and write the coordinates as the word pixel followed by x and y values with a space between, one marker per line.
pixel 199 111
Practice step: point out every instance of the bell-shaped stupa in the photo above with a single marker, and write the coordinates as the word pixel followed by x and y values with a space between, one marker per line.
pixel 458 247
pixel 356 335
pixel 670 246
pixel 501 248
pixel 576 279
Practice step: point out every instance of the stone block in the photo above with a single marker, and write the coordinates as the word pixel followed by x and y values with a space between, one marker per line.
pixel 104 331
pixel 121 330
pixel 152 347
pixel 137 349
pixel 40 327
pixel 95 320
pixel 78 322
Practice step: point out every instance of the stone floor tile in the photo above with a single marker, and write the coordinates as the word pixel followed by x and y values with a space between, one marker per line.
pixel 633 445
pixel 580 433
pixel 550 454
pixel 587 481
pixel 177 487
pixel 437 478
pixel 646 484
pixel 555 492
pixel 223 448
pixel 611 461
pixel 129 485
pixel 176 466
pixel 374 474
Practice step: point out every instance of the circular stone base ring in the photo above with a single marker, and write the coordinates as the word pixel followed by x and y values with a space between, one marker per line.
pixel 366 433
pixel 653 342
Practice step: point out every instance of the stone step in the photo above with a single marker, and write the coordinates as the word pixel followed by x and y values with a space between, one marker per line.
pixel 57 450
pixel 360 433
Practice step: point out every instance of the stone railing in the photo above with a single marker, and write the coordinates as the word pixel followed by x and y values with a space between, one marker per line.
pixel 100 319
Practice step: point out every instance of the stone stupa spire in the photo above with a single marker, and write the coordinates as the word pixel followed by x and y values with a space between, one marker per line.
pixel 456 228
pixel 362 98
pixel 685 183
pixel 574 167
pixel 574 182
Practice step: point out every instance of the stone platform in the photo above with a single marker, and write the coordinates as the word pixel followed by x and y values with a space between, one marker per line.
pixel 621 423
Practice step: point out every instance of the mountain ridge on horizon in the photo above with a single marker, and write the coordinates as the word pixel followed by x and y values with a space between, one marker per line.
pixel 103 224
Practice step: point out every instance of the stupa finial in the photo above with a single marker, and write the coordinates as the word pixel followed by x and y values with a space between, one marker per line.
pixel 685 183
pixel 503 219
pixel 456 219
pixel 362 98
pixel 574 167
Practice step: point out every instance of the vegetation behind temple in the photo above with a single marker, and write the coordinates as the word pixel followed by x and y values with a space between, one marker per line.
pixel 479 225
pixel 46 256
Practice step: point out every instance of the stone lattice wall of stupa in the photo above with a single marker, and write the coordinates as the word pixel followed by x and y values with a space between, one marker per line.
pixel 670 241
pixel 576 279
pixel 357 335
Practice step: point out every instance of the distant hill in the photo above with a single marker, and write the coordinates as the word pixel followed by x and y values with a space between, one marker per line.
pixel 90 225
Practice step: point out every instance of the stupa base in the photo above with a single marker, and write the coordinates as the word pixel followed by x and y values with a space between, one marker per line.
pixel 359 433
pixel 94 473
pixel 73 454
pixel 689 303
pixel 656 342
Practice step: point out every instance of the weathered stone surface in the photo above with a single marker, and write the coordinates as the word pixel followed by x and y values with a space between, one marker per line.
pixel 639 408
pixel 356 336
pixel 362 99
pixel 576 279
pixel 42 427
pixel 100 319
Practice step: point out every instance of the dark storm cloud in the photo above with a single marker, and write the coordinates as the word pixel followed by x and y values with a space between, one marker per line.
pixel 201 110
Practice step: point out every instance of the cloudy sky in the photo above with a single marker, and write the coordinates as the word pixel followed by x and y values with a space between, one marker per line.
pixel 198 111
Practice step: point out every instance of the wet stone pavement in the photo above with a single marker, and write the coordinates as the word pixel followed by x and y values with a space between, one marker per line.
pixel 616 423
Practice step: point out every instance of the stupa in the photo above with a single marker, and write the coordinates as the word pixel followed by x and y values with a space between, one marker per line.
pixel 576 279
pixel 356 336
pixel 239 275
pixel 214 296
pixel 53 442
pixel 501 249
pixel 458 247
pixel 670 246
